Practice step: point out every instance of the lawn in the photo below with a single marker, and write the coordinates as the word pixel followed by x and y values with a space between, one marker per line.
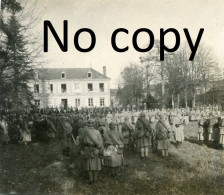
pixel 40 168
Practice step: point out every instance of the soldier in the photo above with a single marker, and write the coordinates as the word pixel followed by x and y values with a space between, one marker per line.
pixel 51 130
pixel 162 135
pixel 82 125
pixel 211 124
pixel 122 115
pixel 178 129
pixel 201 124
pixel 215 135
pixel 113 141
pixel 109 118
pixel 134 117
pixel 127 132
pixel 66 135
pixel 102 127
pixel 221 132
pixel 91 149
pixel 143 135
pixel 116 120
pixel 171 120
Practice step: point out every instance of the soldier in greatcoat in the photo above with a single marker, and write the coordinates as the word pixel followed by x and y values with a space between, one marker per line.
pixel 162 135
pixel 66 135
pixel 91 150
pixel 143 135
pixel 113 155
pixel 127 132
pixel 51 130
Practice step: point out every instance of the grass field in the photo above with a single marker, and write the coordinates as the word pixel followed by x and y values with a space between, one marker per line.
pixel 41 169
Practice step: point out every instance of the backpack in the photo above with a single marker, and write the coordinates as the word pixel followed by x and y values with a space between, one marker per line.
pixel 161 134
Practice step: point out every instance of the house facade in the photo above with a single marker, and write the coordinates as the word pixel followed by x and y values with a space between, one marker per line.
pixel 71 87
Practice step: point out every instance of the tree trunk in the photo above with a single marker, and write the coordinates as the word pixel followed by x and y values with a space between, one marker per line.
pixel 172 102
pixel 193 101
pixel 205 95
pixel 178 101
pixel 185 99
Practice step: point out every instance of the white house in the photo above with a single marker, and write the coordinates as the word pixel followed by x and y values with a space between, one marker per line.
pixel 75 87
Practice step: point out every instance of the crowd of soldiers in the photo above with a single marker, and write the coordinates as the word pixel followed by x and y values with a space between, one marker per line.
pixel 211 129
pixel 105 136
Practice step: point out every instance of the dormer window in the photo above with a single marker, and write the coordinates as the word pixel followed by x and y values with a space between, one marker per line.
pixel 89 75
pixel 63 75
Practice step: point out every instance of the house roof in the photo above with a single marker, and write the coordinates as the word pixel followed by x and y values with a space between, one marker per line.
pixel 70 73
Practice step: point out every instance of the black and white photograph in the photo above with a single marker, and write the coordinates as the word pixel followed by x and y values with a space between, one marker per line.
pixel 112 97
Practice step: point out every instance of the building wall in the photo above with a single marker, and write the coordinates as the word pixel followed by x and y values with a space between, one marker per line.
pixel 53 99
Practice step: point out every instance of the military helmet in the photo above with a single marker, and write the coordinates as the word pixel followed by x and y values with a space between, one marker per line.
pixel 111 124
pixel 91 122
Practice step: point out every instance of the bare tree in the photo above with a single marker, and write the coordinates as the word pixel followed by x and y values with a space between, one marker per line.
pixel 132 90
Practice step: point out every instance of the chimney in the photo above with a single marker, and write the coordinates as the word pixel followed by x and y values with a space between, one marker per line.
pixel 105 71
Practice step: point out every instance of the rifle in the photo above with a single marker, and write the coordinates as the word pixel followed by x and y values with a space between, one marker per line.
pixel 75 142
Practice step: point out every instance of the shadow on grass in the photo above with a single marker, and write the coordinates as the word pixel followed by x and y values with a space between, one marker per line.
pixel 210 144
pixel 193 140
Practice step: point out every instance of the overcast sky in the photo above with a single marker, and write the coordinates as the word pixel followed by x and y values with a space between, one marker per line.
pixel 103 17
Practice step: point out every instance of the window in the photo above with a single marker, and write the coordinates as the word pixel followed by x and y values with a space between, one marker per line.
pixel 90 101
pixel 77 102
pixel 36 88
pixel 77 86
pixel 64 103
pixel 89 74
pixel 63 75
pixel 37 102
pixel 63 88
pixel 102 102
pixel 51 88
pixel 101 87
pixel 90 87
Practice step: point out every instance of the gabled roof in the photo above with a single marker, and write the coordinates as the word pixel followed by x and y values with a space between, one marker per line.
pixel 70 73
